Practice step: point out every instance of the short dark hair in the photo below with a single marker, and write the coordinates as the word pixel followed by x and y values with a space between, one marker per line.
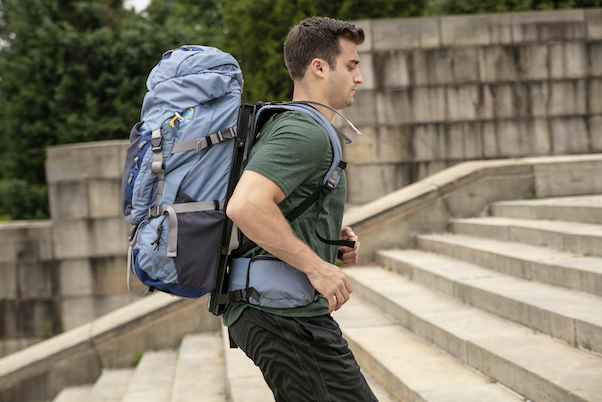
pixel 317 37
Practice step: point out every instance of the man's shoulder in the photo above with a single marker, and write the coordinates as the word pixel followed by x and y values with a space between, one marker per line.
pixel 294 121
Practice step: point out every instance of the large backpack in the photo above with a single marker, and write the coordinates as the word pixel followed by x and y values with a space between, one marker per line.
pixel 183 162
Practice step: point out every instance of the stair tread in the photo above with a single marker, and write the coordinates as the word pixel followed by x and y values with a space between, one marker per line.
pixel 574 228
pixel 523 251
pixel 153 378
pixel 407 364
pixel 581 200
pixel 200 370
pixel 73 394
pixel 564 301
pixel 111 385
pixel 480 334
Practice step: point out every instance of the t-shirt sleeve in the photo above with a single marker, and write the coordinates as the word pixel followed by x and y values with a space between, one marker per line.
pixel 290 152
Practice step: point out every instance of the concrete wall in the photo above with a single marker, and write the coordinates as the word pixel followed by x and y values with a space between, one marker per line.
pixel 62 273
pixel 438 91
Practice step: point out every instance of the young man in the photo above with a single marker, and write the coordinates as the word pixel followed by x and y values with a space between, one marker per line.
pixel 300 350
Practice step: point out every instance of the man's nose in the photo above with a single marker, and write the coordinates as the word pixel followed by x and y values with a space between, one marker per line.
pixel 358 78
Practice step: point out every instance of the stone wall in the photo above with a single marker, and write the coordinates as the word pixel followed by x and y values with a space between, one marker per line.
pixel 438 91
pixel 62 273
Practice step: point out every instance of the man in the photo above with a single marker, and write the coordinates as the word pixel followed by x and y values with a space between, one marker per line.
pixel 300 350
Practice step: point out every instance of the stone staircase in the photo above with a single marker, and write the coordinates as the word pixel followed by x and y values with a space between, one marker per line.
pixel 506 307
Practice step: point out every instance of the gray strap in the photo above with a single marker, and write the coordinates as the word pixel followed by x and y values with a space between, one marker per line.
pixel 172 210
pixel 157 165
pixel 202 143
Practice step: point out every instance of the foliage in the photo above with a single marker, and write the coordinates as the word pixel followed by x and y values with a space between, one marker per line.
pixel 72 71
pixel 256 29
pixel 200 19
pixel 21 200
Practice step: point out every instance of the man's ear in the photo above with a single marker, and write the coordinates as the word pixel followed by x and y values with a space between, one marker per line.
pixel 318 67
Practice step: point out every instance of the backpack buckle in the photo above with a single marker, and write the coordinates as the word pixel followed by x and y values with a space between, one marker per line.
pixel 154 212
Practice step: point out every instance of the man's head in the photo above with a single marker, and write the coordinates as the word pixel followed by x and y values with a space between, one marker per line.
pixel 317 37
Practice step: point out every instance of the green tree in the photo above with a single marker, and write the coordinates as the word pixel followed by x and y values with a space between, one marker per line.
pixel 200 19
pixel 71 71
pixel 256 29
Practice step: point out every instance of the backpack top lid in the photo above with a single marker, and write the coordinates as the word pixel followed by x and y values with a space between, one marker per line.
pixel 186 77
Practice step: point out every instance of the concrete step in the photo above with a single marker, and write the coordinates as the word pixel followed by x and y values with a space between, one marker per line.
pixel 533 365
pixel 73 394
pixel 111 386
pixel 153 378
pixel 408 367
pixel 200 370
pixel 574 237
pixel 571 316
pixel 541 264
pixel 586 209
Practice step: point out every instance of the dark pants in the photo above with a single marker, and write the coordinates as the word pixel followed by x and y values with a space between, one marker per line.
pixel 302 359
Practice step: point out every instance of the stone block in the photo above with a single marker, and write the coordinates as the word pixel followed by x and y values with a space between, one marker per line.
pixel 470 136
pixel 366 25
pixel 593 20
pixel 369 182
pixel 469 102
pixel 8 284
pixel 514 138
pixel 25 318
pixel 26 241
pixel 393 107
pixel 428 104
pixel 76 311
pixel 36 280
pixel 541 143
pixel 539 26
pixel 68 200
pixel 103 159
pixel 104 198
pixel 72 239
pixel 405 33
pixel 569 135
pixel 451 66
pixel 538 98
pixel 567 98
pixel 395 68
pixel 108 237
pixel 594 96
pixel 568 60
pixel 471 30
pixel 490 140
pixel 571 175
pixel 595 133
pixel 366 67
pixel 429 142
pixel 594 59
pixel 75 278
pixel 380 145
pixel 504 100
pixel 109 275
pixel 363 110
pixel 512 62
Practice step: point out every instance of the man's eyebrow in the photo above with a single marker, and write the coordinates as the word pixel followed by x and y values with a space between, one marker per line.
pixel 354 61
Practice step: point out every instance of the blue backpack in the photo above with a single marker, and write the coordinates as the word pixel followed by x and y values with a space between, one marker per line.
pixel 183 162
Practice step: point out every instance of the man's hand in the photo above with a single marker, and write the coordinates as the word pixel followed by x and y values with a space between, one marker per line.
pixel 329 280
pixel 349 255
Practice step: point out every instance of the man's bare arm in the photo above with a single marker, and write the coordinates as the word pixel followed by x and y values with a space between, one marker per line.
pixel 254 209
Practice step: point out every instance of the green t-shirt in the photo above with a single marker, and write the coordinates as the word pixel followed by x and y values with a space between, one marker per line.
pixel 295 152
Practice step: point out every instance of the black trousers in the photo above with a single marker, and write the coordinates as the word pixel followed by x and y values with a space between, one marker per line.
pixel 302 359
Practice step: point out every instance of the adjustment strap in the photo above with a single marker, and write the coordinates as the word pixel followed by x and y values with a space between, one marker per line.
pixel 157 166
pixel 202 143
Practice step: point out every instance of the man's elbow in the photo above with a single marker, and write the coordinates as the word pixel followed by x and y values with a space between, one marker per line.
pixel 234 210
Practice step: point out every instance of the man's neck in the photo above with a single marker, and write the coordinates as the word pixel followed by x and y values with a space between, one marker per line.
pixel 299 95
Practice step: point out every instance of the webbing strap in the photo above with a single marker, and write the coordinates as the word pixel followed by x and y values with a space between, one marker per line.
pixel 172 210
pixel 202 143
pixel 157 165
